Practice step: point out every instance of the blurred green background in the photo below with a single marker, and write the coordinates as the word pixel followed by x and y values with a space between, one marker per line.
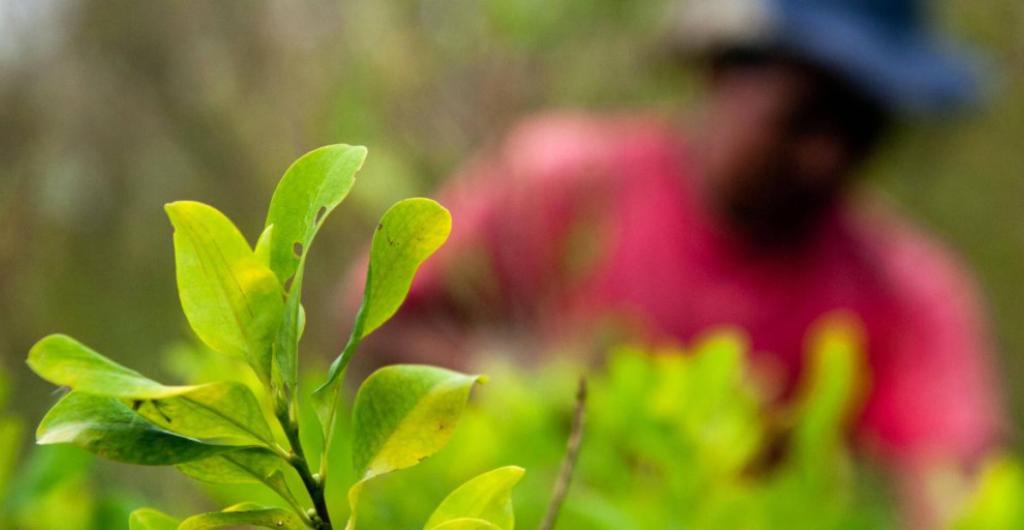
pixel 108 109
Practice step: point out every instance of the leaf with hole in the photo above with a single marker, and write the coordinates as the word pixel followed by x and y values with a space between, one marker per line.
pixel 232 301
pixel 309 190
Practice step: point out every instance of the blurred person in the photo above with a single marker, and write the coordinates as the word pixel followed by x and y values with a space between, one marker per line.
pixel 749 218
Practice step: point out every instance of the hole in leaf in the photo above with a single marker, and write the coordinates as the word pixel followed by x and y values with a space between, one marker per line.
pixel 320 214
pixel 297 249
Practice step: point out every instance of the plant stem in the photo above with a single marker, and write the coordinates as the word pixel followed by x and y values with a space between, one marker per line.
pixel 572 452
pixel 314 487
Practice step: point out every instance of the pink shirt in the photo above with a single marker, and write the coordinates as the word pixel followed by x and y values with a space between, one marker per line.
pixel 576 215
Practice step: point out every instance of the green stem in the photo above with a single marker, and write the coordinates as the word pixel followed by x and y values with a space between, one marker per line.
pixel 313 485
pixel 343 360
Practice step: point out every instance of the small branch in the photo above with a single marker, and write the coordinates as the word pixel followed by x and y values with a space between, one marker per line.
pixel 314 487
pixel 572 452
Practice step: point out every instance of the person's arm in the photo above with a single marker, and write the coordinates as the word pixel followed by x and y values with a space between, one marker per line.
pixel 934 409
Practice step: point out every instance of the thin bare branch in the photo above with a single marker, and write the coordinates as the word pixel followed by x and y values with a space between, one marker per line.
pixel 572 452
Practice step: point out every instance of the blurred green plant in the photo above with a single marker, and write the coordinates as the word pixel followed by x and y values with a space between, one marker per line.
pixel 674 439
pixel 246 303
pixel 52 488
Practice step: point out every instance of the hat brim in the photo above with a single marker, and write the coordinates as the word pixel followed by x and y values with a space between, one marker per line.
pixel 911 73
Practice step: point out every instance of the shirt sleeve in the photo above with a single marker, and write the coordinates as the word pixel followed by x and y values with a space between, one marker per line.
pixel 934 395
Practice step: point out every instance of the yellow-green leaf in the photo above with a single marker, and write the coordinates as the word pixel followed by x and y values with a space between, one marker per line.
pixel 486 497
pixel 466 523
pixel 408 233
pixel 245 514
pixel 232 300
pixel 406 236
pixel 403 414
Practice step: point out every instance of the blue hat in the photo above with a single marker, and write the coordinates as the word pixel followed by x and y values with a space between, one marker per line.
pixel 882 47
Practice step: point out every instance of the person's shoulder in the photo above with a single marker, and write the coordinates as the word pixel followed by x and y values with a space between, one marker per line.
pixel 559 144
pixel 915 266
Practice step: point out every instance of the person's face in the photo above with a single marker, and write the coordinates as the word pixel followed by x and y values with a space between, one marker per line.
pixel 770 157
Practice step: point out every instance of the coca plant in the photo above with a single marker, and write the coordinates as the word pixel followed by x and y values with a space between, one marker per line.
pixel 247 302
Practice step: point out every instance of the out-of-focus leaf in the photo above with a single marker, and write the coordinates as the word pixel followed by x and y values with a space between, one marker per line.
pixel 487 497
pixel 403 414
pixel 997 501
pixel 150 519
pixel 832 386
pixel 245 514
pixel 109 428
pixel 408 233
pixel 10 439
pixel 225 412
pixel 232 300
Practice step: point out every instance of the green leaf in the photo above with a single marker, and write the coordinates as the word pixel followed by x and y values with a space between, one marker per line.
pixel 466 523
pixel 829 395
pixel 995 502
pixel 225 412
pixel 242 466
pixel 309 190
pixel 408 233
pixel 403 414
pixel 110 428
pixel 245 514
pixel 262 249
pixel 248 465
pixel 64 361
pixel 232 301
pixel 486 497
pixel 150 519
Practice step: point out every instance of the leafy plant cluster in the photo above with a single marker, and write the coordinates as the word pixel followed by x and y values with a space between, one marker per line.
pixel 680 438
pixel 245 302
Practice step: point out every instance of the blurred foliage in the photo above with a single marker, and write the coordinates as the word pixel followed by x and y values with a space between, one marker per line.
pixel 110 108
pixel 52 488
pixel 673 439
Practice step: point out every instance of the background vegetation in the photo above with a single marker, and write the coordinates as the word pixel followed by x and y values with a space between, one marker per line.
pixel 108 109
